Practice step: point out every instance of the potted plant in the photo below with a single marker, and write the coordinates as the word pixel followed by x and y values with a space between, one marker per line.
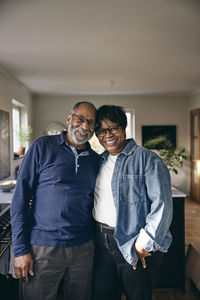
pixel 172 158
pixel 23 135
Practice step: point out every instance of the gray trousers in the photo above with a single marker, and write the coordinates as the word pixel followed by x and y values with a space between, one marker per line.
pixel 72 264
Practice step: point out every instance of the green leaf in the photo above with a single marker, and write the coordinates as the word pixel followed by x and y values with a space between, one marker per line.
pixel 172 158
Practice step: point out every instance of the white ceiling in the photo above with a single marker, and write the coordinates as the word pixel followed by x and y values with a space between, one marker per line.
pixel 102 46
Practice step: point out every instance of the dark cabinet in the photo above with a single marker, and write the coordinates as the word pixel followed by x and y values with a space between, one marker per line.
pixel 172 271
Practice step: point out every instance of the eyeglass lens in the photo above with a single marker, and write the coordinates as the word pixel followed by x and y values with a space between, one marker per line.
pixel 81 120
pixel 112 130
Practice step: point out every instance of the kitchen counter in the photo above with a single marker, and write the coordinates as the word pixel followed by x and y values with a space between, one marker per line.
pixel 172 270
pixel 177 193
pixel 6 197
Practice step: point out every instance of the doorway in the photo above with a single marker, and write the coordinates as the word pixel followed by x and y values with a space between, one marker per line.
pixel 195 155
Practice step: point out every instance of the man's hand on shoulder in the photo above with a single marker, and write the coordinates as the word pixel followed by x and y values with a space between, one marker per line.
pixel 22 266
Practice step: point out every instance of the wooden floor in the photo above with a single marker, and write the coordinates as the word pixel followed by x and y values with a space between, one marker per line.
pixel 192 234
pixel 192 222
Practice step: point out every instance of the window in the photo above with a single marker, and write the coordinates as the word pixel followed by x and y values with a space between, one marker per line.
pixel 130 129
pixel 19 118
pixel 95 145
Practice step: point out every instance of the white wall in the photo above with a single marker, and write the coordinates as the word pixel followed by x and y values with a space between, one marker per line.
pixel 12 89
pixel 149 110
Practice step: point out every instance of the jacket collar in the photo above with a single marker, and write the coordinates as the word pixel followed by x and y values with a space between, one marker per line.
pixel 129 149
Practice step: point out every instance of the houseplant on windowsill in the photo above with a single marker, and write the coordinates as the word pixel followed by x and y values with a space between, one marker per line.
pixel 23 134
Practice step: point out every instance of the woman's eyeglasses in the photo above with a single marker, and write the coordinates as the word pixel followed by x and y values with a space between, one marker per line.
pixel 111 130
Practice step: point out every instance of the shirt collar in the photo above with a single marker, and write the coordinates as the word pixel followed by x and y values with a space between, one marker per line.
pixel 130 147
pixel 61 138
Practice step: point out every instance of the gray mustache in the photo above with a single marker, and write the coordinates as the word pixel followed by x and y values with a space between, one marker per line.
pixel 81 130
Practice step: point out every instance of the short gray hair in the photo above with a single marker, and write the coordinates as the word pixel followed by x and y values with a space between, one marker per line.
pixel 76 106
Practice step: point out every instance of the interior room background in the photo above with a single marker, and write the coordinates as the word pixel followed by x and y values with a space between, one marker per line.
pixel 149 110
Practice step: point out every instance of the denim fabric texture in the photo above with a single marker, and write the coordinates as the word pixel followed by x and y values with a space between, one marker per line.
pixel 142 194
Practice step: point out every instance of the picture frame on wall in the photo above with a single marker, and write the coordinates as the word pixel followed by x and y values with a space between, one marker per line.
pixel 159 136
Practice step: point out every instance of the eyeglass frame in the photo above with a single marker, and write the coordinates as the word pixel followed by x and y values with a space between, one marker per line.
pixel 90 123
pixel 105 130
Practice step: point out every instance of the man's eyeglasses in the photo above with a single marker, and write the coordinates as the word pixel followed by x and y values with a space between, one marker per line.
pixel 80 120
pixel 112 130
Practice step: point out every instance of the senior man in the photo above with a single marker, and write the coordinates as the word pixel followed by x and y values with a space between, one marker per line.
pixel 52 239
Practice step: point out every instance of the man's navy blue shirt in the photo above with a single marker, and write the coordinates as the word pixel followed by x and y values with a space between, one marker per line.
pixel 60 183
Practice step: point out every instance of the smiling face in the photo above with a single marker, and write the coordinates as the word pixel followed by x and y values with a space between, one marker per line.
pixel 81 125
pixel 112 137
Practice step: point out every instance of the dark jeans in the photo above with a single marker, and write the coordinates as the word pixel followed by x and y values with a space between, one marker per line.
pixel 72 264
pixel 112 273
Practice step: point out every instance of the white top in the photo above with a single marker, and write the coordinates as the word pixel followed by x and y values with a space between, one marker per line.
pixel 104 210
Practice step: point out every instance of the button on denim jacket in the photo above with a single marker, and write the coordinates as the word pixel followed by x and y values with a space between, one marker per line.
pixel 142 194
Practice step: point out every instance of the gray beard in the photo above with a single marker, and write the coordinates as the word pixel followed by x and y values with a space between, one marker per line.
pixel 78 140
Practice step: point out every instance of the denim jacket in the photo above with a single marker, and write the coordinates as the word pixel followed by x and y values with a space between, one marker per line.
pixel 141 190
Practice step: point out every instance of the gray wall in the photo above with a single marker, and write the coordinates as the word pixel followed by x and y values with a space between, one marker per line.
pixel 149 110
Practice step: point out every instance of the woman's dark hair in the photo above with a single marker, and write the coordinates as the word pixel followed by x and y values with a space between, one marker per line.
pixel 114 113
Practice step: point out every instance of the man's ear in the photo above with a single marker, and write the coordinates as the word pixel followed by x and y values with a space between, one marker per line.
pixel 69 119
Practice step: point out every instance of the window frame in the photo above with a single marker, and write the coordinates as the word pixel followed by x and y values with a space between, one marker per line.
pixel 130 123
pixel 23 120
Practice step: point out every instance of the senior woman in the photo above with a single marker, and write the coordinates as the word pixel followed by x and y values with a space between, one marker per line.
pixel 132 212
